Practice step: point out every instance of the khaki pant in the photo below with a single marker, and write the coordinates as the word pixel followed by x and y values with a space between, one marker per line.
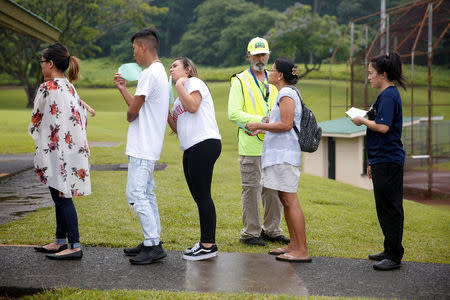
pixel 251 191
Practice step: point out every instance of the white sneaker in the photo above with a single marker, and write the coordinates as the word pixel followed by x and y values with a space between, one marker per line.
pixel 199 252
pixel 193 248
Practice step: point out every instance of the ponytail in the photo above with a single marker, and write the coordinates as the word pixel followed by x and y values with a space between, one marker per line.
pixel 59 54
pixel 392 65
pixel 74 68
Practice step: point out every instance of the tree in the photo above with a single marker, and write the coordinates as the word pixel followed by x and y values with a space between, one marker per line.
pixel 82 24
pixel 170 27
pixel 173 25
pixel 232 45
pixel 298 33
pixel 116 42
pixel 222 30
pixel 352 9
pixel 21 61
pixel 279 5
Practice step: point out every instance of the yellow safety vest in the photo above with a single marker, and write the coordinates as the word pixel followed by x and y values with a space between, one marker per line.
pixel 254 102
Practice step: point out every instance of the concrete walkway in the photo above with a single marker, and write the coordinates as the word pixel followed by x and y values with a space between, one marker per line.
pixel 14 163
pixel 21 191
pixel 23 269
pixel 107 268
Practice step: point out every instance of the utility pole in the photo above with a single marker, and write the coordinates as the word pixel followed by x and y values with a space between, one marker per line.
pixel 383 27
pixel 315 11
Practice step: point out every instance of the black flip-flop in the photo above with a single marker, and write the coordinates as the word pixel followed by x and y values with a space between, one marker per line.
pixel 293 260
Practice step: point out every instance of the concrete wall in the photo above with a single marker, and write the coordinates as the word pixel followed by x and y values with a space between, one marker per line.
pixel 316 163
pixel 349 161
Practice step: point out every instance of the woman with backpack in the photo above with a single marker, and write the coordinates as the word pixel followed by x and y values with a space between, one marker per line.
pixel 281 157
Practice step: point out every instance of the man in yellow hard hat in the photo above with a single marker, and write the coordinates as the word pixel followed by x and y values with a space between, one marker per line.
pixel 250 100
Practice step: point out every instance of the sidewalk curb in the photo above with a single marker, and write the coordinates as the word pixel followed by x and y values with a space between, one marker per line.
pixel 108 269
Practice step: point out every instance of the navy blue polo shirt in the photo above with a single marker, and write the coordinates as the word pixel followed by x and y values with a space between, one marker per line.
pixel 387 147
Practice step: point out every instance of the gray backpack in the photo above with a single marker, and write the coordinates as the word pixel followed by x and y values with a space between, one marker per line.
pixel 310 133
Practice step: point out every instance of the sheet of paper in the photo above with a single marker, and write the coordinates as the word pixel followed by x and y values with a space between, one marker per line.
pixel 130 71
pixel 355 112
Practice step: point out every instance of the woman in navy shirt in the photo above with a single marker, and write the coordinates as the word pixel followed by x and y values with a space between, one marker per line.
pixel 386 156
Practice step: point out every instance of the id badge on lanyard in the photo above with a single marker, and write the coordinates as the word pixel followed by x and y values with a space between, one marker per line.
pixel 265 97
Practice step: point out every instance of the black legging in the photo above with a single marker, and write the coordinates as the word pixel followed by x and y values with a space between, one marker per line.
pixel 198 165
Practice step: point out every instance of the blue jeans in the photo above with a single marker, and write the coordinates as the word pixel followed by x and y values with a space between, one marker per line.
pixel 141 197
pixel 66 220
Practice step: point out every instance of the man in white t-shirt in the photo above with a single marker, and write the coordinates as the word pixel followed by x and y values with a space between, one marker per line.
pixel 147 114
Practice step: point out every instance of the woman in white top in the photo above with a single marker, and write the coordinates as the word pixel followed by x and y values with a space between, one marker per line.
pixel 193 119
pixel 281 157
pixel 58 127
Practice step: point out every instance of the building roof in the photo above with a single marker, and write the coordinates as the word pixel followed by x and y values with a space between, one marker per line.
pixel 343 127
pixel 20 19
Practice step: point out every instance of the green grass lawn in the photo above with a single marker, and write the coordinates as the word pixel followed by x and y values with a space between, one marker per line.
pixel 78 294
pixel 340 219
pixel 338 216
pixel 100 71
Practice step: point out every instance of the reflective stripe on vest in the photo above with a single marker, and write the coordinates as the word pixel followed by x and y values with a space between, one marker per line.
pixel 250 95
pixel 250 90
pixel 253 105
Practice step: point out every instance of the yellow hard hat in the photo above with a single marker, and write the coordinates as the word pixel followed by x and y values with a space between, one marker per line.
pixel 258 46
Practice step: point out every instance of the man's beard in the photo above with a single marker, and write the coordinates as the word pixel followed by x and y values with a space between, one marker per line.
pixel 259 66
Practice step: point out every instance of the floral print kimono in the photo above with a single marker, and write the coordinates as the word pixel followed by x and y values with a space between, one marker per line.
pixel 58 127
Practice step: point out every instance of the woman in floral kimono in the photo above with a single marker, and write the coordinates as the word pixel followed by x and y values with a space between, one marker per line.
pixel 58 127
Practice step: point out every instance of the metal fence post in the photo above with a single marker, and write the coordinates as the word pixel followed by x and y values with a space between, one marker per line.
pixel 352 31
pixel 430 57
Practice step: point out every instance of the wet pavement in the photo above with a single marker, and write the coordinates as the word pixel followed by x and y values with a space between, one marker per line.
pixel 14 163
pixel 108 268
pixel 20 189
pixel 22 193
pixel 415 183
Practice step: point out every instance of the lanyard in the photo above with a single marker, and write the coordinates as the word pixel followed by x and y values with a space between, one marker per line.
pixel 266 98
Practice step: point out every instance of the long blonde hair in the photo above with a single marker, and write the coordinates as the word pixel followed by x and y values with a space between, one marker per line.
pixel 188 64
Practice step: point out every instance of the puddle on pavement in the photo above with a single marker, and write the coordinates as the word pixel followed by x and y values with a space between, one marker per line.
pixel 20 194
